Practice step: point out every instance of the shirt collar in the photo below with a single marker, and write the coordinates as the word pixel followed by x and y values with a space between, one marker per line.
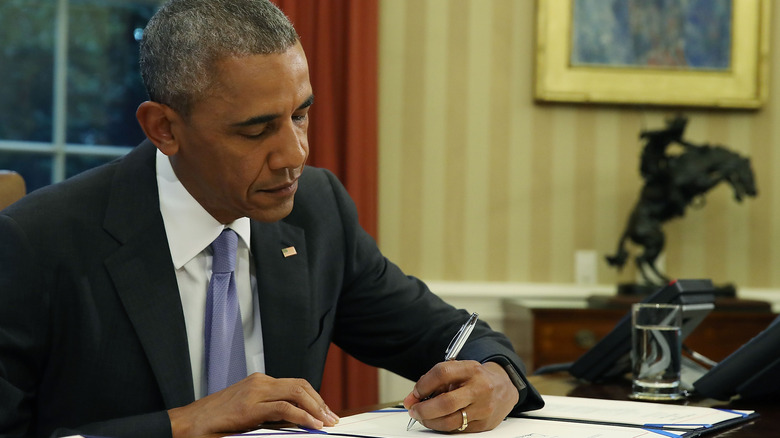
pixel 189 227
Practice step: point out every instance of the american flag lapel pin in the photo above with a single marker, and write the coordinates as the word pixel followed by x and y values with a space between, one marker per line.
pixel 289 251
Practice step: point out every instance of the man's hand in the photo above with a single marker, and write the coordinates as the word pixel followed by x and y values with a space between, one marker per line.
pixel 250 402
pixel 483 391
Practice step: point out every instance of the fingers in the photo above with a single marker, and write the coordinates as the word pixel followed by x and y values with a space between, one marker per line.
pixel 291 400
pixel 247 404
pixel 483 391
pixel 443 377
pixel 447 381
pixel 456 422
pixel 283 411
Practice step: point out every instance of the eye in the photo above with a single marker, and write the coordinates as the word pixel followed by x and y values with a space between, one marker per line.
pixel 256 131
pixel 300 118
pixel 254 136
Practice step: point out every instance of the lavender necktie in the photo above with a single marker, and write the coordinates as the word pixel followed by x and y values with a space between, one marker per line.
pixel 225 358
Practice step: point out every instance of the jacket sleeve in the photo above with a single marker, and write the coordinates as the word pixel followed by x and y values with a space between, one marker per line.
pixel 23 334
pixel 153 425
pixel 25 340
pixel 391 320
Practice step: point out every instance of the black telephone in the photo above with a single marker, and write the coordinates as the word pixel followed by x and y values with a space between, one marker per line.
pixel 611 355
pixel 752 371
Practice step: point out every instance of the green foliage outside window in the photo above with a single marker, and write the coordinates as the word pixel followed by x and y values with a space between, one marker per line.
pixel 102 87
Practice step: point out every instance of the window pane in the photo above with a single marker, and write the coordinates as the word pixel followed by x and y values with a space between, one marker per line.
pixel 26 69
pixel 34 168
pixel 104 83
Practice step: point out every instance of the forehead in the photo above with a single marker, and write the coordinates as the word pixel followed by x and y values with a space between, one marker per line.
pixel 259 84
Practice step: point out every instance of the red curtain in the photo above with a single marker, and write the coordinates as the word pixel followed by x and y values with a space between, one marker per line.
pixel 340 41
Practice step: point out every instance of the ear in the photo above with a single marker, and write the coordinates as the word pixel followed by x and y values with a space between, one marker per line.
pixel 156 119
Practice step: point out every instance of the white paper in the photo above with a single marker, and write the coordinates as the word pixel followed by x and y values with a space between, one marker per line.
pixel 631 412
pixel 392 423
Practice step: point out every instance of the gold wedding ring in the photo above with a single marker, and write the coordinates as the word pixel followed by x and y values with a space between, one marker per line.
pixel 465 421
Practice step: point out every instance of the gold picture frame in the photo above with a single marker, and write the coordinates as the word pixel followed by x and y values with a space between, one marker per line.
pixel 743 85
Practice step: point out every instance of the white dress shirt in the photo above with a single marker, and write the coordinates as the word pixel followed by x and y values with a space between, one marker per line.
pixel 191 230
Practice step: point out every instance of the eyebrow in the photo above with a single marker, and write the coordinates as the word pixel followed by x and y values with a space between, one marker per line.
pixel 257 120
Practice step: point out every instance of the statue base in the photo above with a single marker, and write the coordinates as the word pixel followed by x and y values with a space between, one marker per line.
pixel 642 290
pixel 629 293
pixel 636 289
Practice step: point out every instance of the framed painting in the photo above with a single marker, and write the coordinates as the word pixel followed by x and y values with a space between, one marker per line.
pixel 710 53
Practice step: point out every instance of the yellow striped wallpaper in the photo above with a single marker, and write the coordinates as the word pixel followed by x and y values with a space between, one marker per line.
pixel 479 183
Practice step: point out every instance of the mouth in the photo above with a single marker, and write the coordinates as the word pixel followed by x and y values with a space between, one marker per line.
pixel 283 189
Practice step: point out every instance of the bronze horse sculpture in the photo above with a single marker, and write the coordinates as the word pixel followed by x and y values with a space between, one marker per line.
pixel 672 183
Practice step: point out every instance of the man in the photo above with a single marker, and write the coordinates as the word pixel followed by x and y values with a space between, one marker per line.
pixel 103 278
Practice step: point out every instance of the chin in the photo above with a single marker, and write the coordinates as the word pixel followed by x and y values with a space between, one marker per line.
pixel 271 214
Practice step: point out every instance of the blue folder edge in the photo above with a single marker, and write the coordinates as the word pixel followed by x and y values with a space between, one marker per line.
pixel 665 430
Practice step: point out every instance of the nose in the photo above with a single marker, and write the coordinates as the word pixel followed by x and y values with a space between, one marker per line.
pixel 291 148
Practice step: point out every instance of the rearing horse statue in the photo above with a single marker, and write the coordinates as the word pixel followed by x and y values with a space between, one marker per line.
pixel 672 182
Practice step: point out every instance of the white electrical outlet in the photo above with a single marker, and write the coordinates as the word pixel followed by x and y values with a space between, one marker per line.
pixel 586 266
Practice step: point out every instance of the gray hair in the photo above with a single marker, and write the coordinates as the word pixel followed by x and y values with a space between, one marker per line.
pixel 186 38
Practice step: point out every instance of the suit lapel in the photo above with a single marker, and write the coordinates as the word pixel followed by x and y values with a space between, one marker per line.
pixel 144 276
pixel 282 281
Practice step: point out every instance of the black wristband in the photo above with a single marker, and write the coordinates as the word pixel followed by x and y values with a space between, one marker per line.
pixel 514 376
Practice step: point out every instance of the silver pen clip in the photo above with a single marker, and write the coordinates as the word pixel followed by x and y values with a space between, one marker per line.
pixel 460 338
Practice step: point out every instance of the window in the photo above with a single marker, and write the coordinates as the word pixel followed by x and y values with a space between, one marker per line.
pixel 69 84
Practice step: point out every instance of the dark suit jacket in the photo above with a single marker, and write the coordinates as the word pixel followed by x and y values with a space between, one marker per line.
pixel 92 334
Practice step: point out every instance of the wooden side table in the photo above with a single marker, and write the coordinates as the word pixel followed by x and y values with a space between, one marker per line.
pixel 545 336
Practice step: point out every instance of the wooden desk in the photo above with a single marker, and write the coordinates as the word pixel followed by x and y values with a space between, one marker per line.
pixel 767 425
pixel 545 336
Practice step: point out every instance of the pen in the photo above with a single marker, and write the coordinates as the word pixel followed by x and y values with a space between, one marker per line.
pixel 453 349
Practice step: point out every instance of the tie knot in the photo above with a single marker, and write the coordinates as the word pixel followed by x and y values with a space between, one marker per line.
pixel 225 247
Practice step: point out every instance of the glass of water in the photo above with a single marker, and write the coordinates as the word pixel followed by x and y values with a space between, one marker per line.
pixel 656 351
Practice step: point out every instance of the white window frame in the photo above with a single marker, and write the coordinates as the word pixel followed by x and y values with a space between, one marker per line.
pixel 58 149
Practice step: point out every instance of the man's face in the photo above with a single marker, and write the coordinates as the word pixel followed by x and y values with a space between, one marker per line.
pixel 243 147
